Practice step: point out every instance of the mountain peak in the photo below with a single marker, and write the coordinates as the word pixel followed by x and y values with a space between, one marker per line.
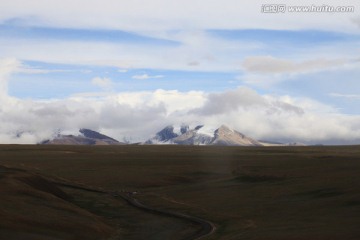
pixel 166 133
pixel 227 136
pixel 184 129
pixel 198 127
pixel 95 135
pixel 201 135
pixel 88 137
pixel 224 129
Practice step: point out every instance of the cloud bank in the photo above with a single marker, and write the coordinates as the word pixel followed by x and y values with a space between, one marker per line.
pixel 138 115
pixel 265 71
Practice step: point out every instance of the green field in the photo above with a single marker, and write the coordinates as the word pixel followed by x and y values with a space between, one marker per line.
pixel 247 192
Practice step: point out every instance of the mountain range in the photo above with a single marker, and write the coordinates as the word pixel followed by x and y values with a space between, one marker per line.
pixel 180 135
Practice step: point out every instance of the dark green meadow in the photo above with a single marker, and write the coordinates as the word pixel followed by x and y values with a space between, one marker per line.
pixel 292 193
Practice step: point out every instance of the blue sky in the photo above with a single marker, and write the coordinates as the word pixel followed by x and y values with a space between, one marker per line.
pixel 13 30
pixel 307 60
pixel 72 79
pixel 68 79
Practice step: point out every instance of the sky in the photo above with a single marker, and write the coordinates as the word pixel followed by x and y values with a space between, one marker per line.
pixel 129 68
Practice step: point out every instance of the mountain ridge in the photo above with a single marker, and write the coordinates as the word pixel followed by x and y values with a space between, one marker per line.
pixel 179 135
pixel 221 136
pixel 87 137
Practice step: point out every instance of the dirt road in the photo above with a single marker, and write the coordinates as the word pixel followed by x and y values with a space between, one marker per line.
pixel 207 227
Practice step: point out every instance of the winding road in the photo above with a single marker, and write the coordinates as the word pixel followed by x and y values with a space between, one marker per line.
pixel 207 227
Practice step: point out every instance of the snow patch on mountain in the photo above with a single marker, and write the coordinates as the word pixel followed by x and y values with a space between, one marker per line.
pixel 86 137
pixel 201 135
pixel 207 130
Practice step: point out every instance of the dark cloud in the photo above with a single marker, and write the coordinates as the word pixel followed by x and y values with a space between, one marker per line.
pixel 244 98
pixel 271 65
pixel 220 103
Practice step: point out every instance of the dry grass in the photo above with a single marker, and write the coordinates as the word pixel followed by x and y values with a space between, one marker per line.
pixel 34 208
pixel 249 192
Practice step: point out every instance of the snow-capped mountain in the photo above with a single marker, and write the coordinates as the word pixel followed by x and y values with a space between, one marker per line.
pixel 193 137
pixel 180 135
pixel 166 135
pixel 87 133
pixel 201 135
pixel 87 137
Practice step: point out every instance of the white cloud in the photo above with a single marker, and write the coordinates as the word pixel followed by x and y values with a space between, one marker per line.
pixel 7 67
pixel 141 114
pixel 197 51
pixel 146 76
pixel 122 70
pixel 356 21
pixel 103 83
pixel 141 15
pixel 29 70
pixel 348 96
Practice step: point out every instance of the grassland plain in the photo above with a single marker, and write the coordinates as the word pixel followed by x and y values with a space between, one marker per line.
pixel 248 192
